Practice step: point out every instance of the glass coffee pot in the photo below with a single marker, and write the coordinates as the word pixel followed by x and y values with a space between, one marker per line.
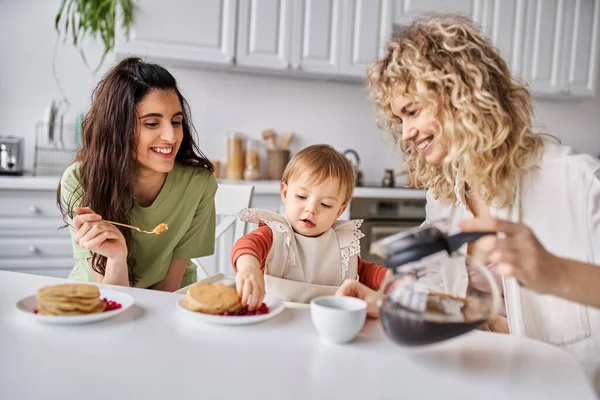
pixel 435 293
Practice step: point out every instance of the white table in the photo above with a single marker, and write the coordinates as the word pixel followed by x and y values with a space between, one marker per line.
pixel 154 351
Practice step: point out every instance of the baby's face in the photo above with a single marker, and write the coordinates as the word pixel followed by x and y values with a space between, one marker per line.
pixel 312 209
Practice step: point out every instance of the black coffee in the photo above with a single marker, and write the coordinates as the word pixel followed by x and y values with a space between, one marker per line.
pixel 445 317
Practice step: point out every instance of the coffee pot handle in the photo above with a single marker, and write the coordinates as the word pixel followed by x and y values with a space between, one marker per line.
pixel 455 242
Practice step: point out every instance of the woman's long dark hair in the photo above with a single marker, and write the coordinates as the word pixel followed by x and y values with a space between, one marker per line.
pixel 108 154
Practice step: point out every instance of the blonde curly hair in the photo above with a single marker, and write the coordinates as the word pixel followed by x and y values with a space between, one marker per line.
pixel 456 74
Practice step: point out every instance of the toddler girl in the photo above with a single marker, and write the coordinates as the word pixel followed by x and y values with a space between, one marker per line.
pixel 307 252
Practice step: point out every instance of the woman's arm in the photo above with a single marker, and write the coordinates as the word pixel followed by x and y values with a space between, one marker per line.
pixel 521 255
pixel 100 237
pixel 172 280
pixel 580 282
pixel 90 234
pixel 115 274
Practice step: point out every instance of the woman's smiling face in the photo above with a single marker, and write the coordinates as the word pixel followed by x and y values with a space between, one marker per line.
pixel 420 127
pixel 160 130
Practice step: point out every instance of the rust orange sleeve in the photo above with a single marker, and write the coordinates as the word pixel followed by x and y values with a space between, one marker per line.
pixel 256 243
pixel 370 274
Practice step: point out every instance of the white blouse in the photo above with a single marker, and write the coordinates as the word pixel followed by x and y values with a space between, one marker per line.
pixel 560 203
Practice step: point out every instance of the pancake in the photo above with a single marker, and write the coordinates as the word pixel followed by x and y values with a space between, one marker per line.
pixel 212 299
pixel 69 299
pixel 70 290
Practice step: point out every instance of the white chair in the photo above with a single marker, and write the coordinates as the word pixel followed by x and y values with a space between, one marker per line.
pixel 229 200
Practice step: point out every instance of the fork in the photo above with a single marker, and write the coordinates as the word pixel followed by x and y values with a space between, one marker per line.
pixel 158 229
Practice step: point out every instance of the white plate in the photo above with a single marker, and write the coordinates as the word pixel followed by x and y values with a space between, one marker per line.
pixel 275 307
pixel 28 304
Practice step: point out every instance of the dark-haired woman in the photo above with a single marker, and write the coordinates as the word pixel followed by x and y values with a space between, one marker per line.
pixel 139 165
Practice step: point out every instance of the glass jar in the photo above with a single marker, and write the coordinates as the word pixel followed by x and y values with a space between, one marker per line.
pixel 235 156
pixel 252 170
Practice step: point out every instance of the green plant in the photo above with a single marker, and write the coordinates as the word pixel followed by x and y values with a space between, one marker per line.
pixel 81 18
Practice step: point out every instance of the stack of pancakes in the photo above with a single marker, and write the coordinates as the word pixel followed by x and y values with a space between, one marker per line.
pixel 69 299
pixel 212 299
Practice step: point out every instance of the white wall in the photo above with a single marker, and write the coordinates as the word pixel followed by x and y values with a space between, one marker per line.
pixel 335 113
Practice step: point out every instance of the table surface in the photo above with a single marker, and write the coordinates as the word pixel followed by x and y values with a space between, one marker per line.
pixel 155 351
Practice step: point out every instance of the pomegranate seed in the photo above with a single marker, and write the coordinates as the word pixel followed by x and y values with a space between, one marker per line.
pixel 111 305
pixel 263 309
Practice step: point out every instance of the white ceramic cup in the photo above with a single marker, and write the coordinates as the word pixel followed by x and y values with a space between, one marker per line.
pixel 338 319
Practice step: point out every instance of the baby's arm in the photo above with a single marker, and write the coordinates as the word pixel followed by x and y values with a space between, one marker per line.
pixel 248 260
pixel 370 274
pixel 257 243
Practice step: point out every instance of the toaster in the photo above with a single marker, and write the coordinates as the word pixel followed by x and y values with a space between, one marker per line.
pixel 11 155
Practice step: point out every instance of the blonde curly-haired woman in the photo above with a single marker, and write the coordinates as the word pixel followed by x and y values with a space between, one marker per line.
pixel 464 124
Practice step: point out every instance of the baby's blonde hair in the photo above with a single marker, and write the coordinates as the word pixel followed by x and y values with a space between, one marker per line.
pixel 321 162
pixel 445 63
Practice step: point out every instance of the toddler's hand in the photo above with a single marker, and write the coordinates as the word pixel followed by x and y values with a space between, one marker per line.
pixel 250 281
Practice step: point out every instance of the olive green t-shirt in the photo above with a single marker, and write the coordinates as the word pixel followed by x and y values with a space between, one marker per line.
pixel 185 202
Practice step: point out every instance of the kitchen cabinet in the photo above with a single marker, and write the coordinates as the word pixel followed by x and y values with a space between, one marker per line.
pixel 503 21
pixel 318 35
pixel 553 45
pixel 545 27
pixel 368 28
pixel 327 37
pixel 184 31
pixel 264 33
pixel 579 72
pixel 339 37
pixel 30 238
pixel 562 42
pixel 407 10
